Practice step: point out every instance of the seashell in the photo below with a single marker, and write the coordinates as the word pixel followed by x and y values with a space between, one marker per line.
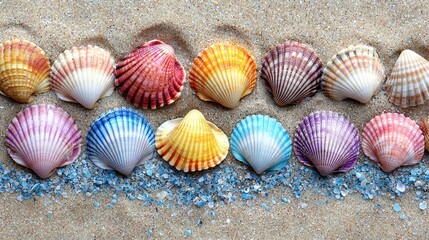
pixel 151 76
pixel 393 140
pixel 292 73
pixel 408 83
pixel 424 126
pixel 261 142
pixel 223 73
pixel 191 143
pixel 84 75
pixel 24 70
pixel 43 138
pixel 328 141
pixel 120 140
pixel 355 72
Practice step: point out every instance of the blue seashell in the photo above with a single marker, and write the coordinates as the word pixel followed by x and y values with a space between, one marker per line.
pixel 261 142
pixel 120 140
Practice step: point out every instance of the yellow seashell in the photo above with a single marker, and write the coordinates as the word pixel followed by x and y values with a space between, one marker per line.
pixel 24 70
pixel 223 73
pixel 191 143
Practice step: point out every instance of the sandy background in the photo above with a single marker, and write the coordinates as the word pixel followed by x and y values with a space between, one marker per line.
pixel 190 26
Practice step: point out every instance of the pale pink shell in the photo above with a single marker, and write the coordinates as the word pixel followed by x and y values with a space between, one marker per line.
pixel 43 138
pixel 150 77
pixel 393 140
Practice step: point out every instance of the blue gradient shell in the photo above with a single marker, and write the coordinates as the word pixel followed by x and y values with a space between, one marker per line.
pixel 261 142
pixel 120 139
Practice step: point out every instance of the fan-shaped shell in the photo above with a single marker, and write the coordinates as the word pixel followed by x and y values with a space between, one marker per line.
pixel 424 126
pixel 120 140
pixel 393 140
pixel 223 73
pixel 292 72
pixel 355 72
pixel 24 70
pixel 408 83
pixel 84 75
pixel 261 142
pixel 151 76
pixel 191 143
pixel 328 141
pixel 43 138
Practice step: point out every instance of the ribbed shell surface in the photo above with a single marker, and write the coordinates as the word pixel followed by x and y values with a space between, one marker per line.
pixel 424 126
pixel 328 141
pixel 292 73
pixel 223 73
pixel 261 142
pixel 24 70
pixel 120 139
pixel 43 138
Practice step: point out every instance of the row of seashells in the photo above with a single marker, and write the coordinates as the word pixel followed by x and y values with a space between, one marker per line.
pixel 45 137
pixel 152 77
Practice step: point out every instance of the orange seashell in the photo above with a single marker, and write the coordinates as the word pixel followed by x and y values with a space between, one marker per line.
pixel 24 70
pixel 150 77
pixel 223 73
pixel 424 126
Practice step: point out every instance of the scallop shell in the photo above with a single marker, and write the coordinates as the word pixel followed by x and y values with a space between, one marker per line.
pixel 261 142
pixel 223 73
pixel 355 72
pixel 120 140
pixel 24 70
pixel 328 141
pixel 191 143
pixel 424 126
pixel 43 138
pixel 292 72
pixel 408 83
pixel 393 140
pixel 84 75
pixel 151 76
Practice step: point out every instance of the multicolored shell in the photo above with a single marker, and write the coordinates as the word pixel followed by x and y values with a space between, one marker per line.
pixel 43 138
pixel 223 73
pixel 355 72
pixel 424 126
pixel 84 75
pixel 261 142
pixel 191 143
pixel 408 84
pixel 120 140
pixel 24 70
pixel 292 73
pixel 393 140
pixel 328 141
pixel 151 76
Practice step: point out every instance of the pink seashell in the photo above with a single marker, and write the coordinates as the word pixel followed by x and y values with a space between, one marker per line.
pixel 393 140
pixel 150 77
pixel 292 72
pixel 43 138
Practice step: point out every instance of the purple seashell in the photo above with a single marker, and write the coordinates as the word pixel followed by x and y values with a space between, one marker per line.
pixel 327 141
pixel 43 138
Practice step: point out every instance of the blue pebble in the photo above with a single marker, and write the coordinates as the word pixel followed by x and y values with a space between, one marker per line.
pixel 423 205
pixel 97 204
pixel 396 207
pixel 188 232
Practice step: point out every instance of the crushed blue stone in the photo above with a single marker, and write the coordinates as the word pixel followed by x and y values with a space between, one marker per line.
pixel 402 216
pixel 50 216
pixel 148 232
pixel 400 186
pixel 97 204
pixel 303 205
pixel 285 200
pixel 423 205
pixel 188 232
pixel 266 207
pixel 396 207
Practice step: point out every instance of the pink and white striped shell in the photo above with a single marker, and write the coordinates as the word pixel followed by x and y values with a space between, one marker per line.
pixel 328 141
pixel 408 84
pixel 393 140
pixel 151 76
pixel 292 73
pixel 84 75
pixel 43 138
pixel 355 72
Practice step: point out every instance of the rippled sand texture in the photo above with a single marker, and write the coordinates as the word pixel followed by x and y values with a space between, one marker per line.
pixel 190 26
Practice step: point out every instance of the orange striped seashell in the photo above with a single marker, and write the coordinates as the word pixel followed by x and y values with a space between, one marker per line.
pixel 191 143
pixel 424 126
pixel 151 76
pixel 393 140
pixel 408 84
pixel 223 73
pixel 24 70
